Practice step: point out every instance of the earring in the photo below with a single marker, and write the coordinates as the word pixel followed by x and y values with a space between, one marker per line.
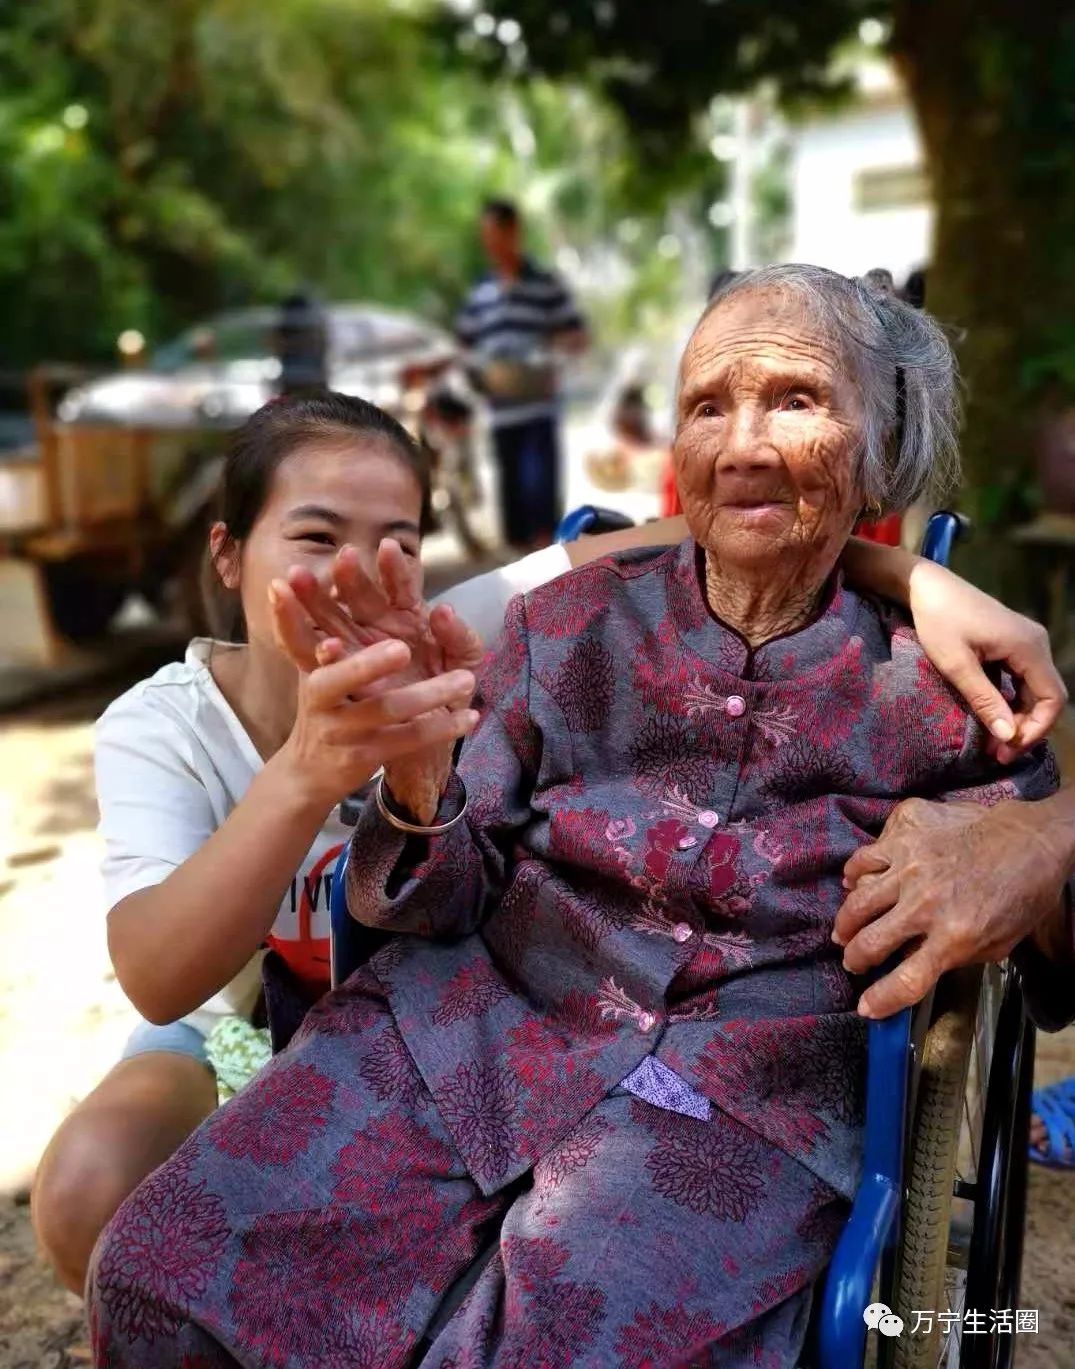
pixel 873 509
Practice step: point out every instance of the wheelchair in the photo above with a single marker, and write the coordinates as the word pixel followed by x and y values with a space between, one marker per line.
pixel 935 1230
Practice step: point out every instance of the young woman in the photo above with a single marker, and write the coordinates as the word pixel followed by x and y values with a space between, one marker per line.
pixel 220 801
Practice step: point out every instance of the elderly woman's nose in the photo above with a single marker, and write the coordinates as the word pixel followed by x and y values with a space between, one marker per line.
pixel 746 445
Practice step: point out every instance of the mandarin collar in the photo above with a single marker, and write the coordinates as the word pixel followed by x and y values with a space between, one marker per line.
pixel 783 657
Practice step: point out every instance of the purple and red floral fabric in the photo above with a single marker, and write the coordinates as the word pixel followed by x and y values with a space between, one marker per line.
pixel 317 1220
pixel 612 1042
pixel 651 862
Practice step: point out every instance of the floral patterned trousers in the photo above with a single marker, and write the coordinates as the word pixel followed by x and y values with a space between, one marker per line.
pixel 319 1218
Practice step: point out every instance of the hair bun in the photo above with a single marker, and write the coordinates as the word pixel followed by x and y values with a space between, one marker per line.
pixel 880 281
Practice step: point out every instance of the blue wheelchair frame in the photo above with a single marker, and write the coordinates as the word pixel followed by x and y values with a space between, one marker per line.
pixel 870 1236
pixel 873 1225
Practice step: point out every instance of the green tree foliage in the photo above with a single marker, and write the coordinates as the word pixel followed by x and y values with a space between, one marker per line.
pixel 663 66
pixel 158 161
pixel 990 82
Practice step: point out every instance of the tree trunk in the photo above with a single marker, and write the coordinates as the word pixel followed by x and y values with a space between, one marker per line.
pixel 992 86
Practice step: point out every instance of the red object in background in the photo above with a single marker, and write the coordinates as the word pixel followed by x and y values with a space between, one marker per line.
pixel 670 505
pixel 884 530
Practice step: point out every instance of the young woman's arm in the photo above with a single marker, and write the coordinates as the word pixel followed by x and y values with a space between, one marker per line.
pixel 178 941
pixel 442 886
pixel 662 532
pixel 961 628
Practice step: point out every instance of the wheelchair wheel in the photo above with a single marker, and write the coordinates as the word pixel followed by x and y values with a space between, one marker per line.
pixel 942 1159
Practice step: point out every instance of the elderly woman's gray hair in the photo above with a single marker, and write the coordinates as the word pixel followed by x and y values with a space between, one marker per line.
pixel 904 366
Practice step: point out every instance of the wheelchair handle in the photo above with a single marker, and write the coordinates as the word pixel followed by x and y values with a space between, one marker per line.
pixel 943 531
pixel 588 518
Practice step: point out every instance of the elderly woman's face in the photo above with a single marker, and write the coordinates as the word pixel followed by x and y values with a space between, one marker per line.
pixel 767 429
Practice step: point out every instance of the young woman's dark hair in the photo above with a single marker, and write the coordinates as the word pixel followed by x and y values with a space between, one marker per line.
pixel 275 431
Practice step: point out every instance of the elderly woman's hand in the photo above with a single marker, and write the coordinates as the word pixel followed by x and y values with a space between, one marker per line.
pixel 354 715
pixel 965 884
pixel 959 628
pixel 315 624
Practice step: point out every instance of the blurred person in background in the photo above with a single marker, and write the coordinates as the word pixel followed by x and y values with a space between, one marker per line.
pixel 300 342
pixel 514 321
pixel 635 457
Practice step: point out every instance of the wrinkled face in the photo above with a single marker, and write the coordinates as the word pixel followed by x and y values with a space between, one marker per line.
pixel 321 497
pixel 768 426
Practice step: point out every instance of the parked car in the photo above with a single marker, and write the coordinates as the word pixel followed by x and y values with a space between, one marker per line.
pixel 218 372
pixel 115 494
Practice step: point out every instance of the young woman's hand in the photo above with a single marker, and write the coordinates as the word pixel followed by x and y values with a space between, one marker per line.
pixel 357 612
pixel 319 627
pixel 960 628
pixel 357 713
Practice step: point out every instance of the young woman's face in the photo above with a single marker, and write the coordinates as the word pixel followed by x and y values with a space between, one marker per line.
pixel 322 497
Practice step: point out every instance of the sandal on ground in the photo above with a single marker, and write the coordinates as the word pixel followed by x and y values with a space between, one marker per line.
pixel 1055 1105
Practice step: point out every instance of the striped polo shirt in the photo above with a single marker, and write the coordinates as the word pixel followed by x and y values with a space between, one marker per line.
pixel 513 318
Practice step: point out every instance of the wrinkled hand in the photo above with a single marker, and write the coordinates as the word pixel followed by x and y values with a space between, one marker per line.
pixel 353 716
pixel 964 883
pixel 316 626
pixel 960 628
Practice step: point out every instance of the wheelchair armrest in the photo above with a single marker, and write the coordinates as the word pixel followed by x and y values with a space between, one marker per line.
pixel 871 1227
pixel 340 924
pixel 350 944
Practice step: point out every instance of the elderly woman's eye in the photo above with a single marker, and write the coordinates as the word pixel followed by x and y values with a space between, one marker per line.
pixel 707 409
pixel 797 403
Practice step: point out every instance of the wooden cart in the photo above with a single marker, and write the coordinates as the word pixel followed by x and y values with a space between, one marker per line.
pixel 84 522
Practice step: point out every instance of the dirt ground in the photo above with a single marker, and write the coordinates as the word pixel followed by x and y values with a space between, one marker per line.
pixel 63 1020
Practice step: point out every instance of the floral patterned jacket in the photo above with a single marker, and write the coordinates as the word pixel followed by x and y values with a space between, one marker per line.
pixel 651 862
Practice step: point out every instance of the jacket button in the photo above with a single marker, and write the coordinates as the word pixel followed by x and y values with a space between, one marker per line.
pixel 687 843
pixel 646 1022
pixel 682 932
pixel 708 818
pixel 735 706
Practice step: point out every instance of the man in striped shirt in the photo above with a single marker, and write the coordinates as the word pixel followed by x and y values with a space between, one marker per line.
pixel 517 319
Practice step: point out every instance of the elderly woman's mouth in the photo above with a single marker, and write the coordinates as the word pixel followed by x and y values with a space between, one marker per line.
pixel 752 511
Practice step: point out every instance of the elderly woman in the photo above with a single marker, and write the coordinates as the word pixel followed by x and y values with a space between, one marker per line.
pixel 598 1102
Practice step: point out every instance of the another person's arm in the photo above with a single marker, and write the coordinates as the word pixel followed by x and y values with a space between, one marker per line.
pixel 567 330
pixel 960 628
pixel 193 921
pixel 662 532
pixel 961 884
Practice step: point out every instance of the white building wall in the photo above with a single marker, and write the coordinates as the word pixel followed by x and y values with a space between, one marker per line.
pixel 828 227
